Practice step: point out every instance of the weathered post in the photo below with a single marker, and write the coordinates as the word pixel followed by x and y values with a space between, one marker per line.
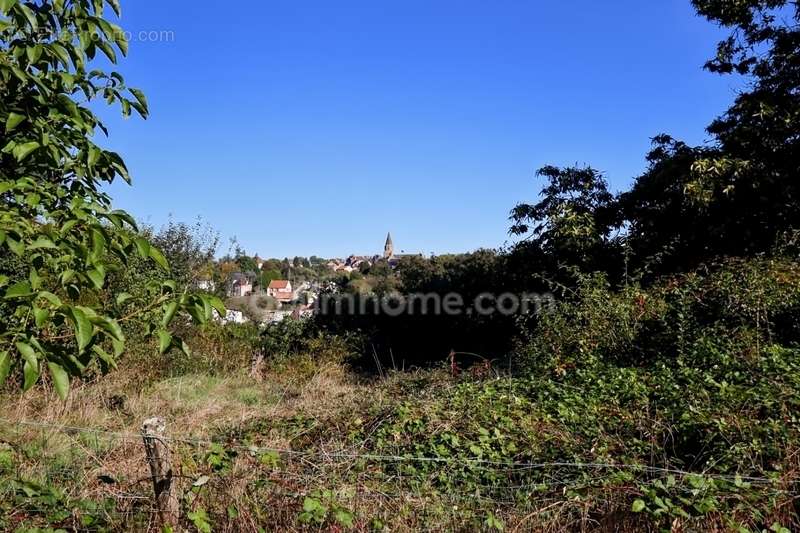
pixel 157 451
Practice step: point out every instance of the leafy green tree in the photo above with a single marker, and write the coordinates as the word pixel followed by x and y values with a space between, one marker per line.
pixel 54 218
pixel 189 249
pixel 272 264
pixel 573 220
pixel 268 275
pixel 739 195
pixel 755 170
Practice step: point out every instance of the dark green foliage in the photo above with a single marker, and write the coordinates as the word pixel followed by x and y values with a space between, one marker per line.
pixel 736 196
pixel 572 222
pixel 424 334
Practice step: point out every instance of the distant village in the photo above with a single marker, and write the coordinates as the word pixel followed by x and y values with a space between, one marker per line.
pixel 272 290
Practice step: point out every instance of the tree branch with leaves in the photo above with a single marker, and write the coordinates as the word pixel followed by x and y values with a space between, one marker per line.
pixel 56 222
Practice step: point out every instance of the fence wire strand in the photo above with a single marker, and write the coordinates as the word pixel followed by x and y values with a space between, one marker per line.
pixel 512 466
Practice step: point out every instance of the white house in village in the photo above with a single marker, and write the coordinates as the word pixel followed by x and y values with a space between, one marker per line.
pixel 281 290
pixel 240 285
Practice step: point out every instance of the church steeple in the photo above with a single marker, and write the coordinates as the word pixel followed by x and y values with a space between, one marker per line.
pixel 388 248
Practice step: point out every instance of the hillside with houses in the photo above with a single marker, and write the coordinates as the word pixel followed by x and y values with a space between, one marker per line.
pixel 271 290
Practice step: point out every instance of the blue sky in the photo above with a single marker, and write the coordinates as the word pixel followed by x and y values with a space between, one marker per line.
pixel 315 127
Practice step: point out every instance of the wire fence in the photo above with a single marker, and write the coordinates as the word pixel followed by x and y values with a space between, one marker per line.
pixel 383 479
pixel 349 455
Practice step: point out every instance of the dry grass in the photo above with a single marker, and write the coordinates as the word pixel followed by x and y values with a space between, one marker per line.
pixel 196 407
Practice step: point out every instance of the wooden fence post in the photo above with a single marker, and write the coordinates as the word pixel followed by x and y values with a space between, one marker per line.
pixel 157 451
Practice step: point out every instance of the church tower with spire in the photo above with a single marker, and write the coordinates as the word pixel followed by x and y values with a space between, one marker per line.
pixel 388 248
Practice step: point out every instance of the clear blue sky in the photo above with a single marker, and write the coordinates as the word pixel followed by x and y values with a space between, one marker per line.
pixel 315 127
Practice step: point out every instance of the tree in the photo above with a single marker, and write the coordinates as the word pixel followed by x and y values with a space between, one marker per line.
pixel 661 223
pixel 572 222
pixel 272 264
pixel 245 262
pixel 755 169
pixel 740 195
pixel 268 275
pixel 189 249
pixel 54 218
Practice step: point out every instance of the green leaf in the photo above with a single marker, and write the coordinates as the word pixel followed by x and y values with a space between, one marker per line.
pixel 111 327
pixel 19 290
pixel 184 347
pixel 164 341
pixel 119 347
pixel 197 312
pixel 93 157
pixel 40 316
pixel 15 246
pixel 344 518
pixel 143 246
pixel 638 506
pixel 33 199
pixel 6 5
pixel 63 56
pixel 158 257
pixel 30 369
pixel 105 356
pixel 84 331
pixel 60 379
pixel 108 50
pixel 200 520
pixel 30 16
pixel 141 98
pixel 119 38
pixel 99 242
pixel 42 243
pixel 36 279
pixel 218 305
pixel 50 297
pixel 207 309
pixel 27 352
pixel 14 120
pixel 30 374
pixel 169 313
pixel 97 278
pixel 123 297
pixel 115 6
pixel 21 151
pixel 5 366
pixel 34 52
